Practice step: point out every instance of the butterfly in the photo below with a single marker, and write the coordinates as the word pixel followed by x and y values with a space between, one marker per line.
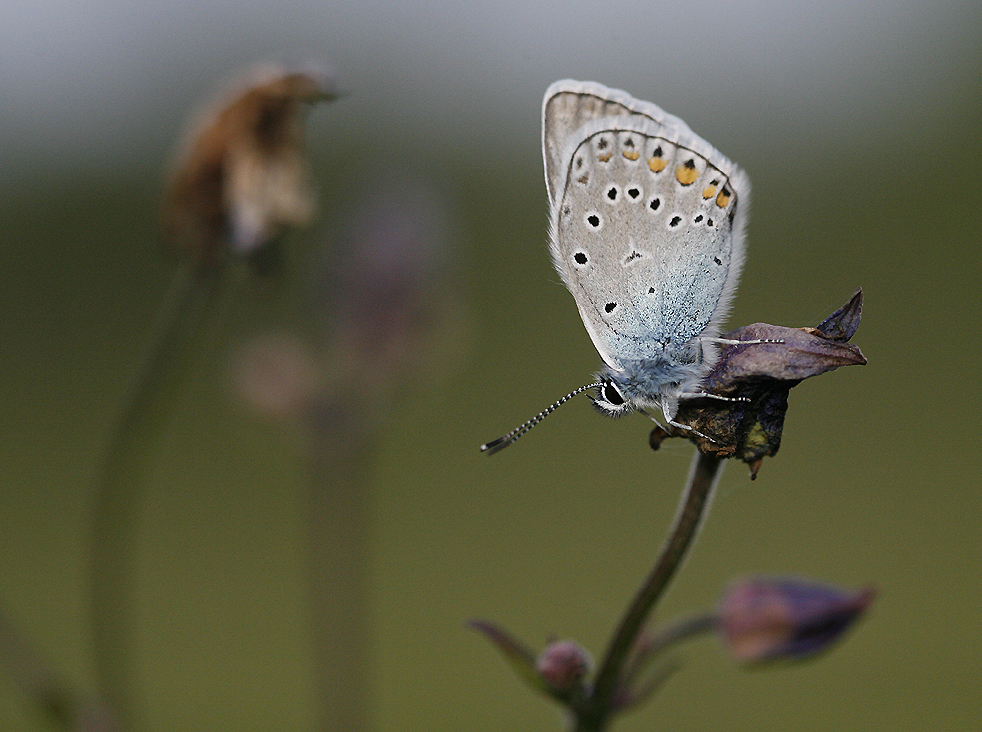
pixel 646 230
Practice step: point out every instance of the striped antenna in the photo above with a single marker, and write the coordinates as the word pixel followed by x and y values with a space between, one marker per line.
pixel 502 442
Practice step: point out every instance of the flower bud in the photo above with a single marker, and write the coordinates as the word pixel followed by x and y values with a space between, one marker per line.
pixel 768 619
pixel 564 665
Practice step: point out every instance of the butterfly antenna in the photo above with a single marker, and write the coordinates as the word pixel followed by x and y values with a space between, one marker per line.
pixel 502 442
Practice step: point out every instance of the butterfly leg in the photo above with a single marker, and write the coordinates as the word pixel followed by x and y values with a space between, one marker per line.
pixel 731 342
pixel 677 425
pixel 688 428
pixel 707 395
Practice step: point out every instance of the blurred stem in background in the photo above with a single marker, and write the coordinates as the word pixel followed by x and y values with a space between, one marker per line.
pixel 239 182
pixel 42 687
pixel 338 569
pixel 175 344
pixel 384 315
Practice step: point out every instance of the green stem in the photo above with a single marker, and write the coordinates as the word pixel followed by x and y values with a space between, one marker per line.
pixel 167 364
pixel 655 645
pixel 680 631
pixel 703 477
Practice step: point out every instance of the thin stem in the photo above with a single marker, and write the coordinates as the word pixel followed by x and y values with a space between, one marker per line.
pixel 679 631
pixel 645 652
pixel 190 303
pixel 338 566
pixel 703 477
pixel 48 691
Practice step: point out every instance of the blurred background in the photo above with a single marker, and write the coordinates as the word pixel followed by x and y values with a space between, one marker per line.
pixel 859 125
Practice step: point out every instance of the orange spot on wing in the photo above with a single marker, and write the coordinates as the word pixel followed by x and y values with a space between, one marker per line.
pixel 657 164
pixel 686 173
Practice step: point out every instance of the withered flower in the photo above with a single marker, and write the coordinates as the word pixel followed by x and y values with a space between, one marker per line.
pixel 241 177
pixel 757 377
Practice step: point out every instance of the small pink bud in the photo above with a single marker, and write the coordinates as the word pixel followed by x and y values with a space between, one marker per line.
pixel 767 619
pixel 563 665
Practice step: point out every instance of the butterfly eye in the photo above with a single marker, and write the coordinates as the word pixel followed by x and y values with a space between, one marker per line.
pixel 612 394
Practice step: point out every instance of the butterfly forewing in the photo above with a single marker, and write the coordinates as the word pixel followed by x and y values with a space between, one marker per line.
pixel 646 227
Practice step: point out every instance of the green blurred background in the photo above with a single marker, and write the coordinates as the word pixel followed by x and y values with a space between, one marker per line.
pixel 860 129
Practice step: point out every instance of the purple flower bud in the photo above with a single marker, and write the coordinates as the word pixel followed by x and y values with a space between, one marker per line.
pixel 769 619
pixel 564 664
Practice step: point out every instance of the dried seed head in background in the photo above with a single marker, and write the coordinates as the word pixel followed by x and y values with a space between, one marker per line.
pixel 241 177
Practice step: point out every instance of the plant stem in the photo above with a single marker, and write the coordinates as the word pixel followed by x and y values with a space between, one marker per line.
pixel 703 477
pixel 338 567
pixel 190 303
pixel 681 630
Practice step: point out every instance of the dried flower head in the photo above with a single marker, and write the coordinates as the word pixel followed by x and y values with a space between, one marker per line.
pixel 241 177
pixel 773 619
pixel 758 378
